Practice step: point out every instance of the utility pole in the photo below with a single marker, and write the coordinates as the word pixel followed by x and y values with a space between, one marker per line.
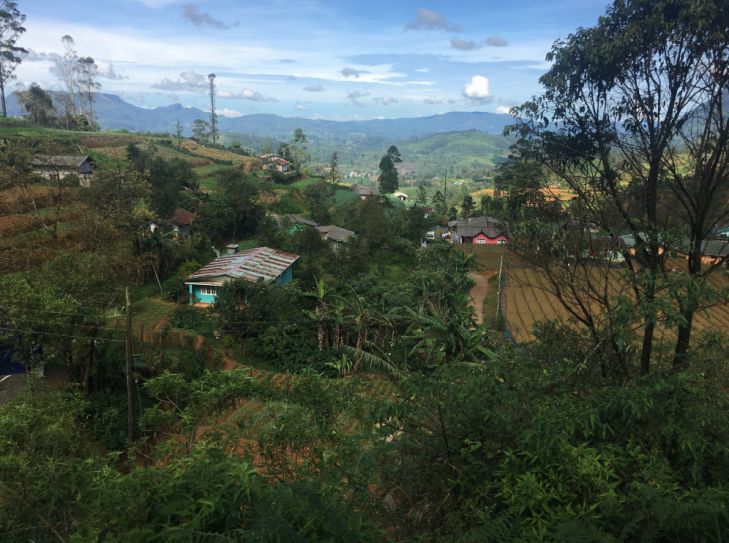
pixel 445 191
pixel 128 356
pixel 213 116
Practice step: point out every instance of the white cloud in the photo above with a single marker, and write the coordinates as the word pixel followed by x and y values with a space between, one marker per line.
pixel 227 112
pixel 247 94
pixel 188 81
pixel 503 109
pixel 477 89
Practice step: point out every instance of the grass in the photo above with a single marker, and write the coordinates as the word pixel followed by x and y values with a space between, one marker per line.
pixel 305 182
pixel 146 314
pixel 342 196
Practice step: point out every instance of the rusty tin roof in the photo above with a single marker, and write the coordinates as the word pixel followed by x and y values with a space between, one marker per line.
pixel 261 263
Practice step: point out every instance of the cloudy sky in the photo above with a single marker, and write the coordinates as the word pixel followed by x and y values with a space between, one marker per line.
pixel 329 59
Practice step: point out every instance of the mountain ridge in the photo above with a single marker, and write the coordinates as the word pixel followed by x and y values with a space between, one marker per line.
pixel 113 112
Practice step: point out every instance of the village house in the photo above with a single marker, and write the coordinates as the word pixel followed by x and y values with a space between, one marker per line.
pixel 364 191
pixel 478 231
pixel 261 264
pixel 293 218
pixel 182 222
pixel 335 235
pixel 276 163
pixel 56 167
pixel 401 196
pixel 715 251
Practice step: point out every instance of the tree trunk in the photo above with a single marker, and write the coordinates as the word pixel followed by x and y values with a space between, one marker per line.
pixel 2 97
pixel 649 329
pixel 688 308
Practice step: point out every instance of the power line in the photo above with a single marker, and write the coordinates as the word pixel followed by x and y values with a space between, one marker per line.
pixel 60 335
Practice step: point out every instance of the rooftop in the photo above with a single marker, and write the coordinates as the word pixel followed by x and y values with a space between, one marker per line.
pixel 70 161
pixel 261 263
pixel 364 190
pixel 715 247
pixel 182 217
pixel 298 219
pixel 471 231
pixel 335 233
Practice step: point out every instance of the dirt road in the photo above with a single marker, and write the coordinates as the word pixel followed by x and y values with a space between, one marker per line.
pixel 479 291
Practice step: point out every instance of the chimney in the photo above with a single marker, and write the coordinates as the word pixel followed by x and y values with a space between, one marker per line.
pixel 232 248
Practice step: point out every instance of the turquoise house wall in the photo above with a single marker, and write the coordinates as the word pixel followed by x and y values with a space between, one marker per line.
pixel 287 276
pixel 196 295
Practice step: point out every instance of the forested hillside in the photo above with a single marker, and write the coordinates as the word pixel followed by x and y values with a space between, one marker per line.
pixel 199 342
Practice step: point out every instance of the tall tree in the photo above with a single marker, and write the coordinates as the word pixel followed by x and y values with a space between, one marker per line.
pixel 334 175
pixel 388 179
pixel 467 205
pixel 66 69
pixel 619 104
pixel 422 196
pixel 38 104
pixel 178 133
pixel 200 130
pixel 88 73
pixel 297 149
pixel 11 27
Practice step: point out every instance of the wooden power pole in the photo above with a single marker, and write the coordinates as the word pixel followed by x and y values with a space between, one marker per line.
pixel 128 357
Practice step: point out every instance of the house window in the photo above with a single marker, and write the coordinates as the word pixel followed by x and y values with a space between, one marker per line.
pixel 207 291
pixel 480 241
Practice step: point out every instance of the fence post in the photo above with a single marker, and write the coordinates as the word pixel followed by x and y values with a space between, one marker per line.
pixel 498 293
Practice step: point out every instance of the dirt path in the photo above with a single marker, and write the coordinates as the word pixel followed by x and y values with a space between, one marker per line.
pixel 479 291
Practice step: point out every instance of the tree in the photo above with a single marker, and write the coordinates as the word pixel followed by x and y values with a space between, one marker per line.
pixel 88 73
pixel 523 180
pixel 200 130
pixel 467 206
pixel 438 201
pixel 233 211
pixel 178 133
pixel 11 27
pixel 422 197
pixel 334 175
pixel 388 179
pixel 67 69
pixel 621 101
pixel 38 103
pixel 297 150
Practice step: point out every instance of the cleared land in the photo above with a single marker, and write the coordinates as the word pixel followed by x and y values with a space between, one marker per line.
pixel 528 299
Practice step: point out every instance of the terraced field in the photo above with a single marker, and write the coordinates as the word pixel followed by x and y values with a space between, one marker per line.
pixel 528 299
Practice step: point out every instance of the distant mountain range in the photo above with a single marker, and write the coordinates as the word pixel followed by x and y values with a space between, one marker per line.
pixel 115 113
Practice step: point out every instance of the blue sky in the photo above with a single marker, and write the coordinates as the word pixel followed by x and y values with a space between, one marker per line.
pixel 333 60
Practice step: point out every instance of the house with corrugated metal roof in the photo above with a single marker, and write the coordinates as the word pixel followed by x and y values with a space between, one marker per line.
pixel 479 231
pixel 259 265
pixel 715 251
pixel 56 167
pixel 335 234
